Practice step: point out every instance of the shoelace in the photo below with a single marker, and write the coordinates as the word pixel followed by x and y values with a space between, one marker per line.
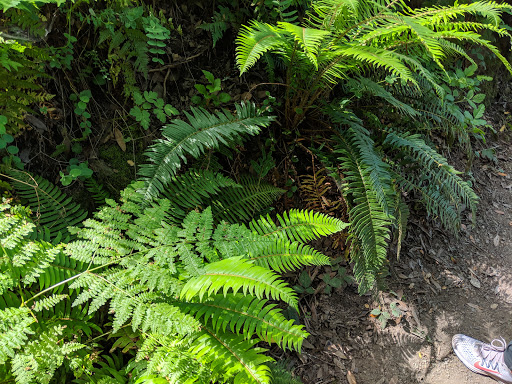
pixel 493 352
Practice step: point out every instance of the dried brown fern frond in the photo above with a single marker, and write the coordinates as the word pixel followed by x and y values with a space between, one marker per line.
pixel 316 191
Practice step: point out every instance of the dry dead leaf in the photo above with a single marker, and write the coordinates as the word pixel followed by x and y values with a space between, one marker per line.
pixel 475 282
pixel 502 128
pixel 246 96
pixel 118 135
pixel 351 378
pixel 130 163
pixel 496 240
pixel 499 212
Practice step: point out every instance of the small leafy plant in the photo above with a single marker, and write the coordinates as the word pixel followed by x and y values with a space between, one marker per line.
pixel 77 170
pixel 81 102
pixel 148 102
pixel 304 285
pixel 62 57
pixel 210 93
pixel 384 316
pixel 6 141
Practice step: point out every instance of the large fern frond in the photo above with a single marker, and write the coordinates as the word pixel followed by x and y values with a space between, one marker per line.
pixel 203 131
pixel 195 189
pixel 282 256
pixel 53 209
pixel 309 39
pixel 232 357
pixel 235 274
pixel 242 202
pixel 445 177
pixel 250 316
pixel 255 40
pixel 370 224
pixel 298 225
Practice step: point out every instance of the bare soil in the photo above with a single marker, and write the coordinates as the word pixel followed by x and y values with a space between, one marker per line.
pixel 442 285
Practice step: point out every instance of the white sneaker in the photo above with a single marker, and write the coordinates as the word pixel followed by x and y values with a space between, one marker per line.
pixel 482 358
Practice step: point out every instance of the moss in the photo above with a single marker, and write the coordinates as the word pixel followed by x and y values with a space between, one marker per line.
pixel 112 168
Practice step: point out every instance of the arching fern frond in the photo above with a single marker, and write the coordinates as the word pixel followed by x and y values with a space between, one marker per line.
pixel 195 189
pixel 445 178
pixel 282 256
pixel 255 40
pixel 298 225
pixel 309 39
pixel 235 274
pixel 250 316
pixel 232 357
pixel 52 208
pixel 243 202
pixel 370 224
pixel 204 131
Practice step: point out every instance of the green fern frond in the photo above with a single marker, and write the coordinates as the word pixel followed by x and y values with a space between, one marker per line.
pixel 53 209
pixel 253 41
pixel 402 217
pixel 195 189
pixel 14 331
pixel 369 222
pixel 34 359
pixel 204 131
pixel 379 176
pixel 250 316
pixel 445 176
pixel 298 225
pixel 237 274
pixel 309 39
pixel 99 193
pixel 232 357
pixel 48 302
pixel 365 85
pixel 282 256
pixel 378 58
pixel 243 202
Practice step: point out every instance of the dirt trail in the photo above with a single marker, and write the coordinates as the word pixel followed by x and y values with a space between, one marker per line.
pixel 442 285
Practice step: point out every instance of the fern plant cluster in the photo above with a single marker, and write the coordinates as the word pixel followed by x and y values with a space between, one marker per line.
pixel 196 294
pixel 171 274
pixel 383 55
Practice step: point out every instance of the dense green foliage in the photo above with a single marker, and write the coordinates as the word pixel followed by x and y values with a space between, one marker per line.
pixel 177 277
pixel 193 290
pixel 382 50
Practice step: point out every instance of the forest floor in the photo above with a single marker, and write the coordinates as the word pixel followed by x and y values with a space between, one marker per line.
pixel 441 285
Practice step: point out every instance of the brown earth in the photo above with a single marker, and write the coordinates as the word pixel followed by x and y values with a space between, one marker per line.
pixel 442 285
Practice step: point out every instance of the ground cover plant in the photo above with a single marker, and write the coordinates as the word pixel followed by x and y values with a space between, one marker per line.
pixel 176 273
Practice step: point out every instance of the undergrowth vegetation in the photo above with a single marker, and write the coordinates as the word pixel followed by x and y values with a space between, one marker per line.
pixel 179 276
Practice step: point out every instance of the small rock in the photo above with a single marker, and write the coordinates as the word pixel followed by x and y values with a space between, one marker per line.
pixel 494 306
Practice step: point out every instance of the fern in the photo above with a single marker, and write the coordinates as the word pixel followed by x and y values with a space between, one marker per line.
pixel 241 203
pixel 54 209
pixel 166 285
pixel 297 225
pixel 163 287
pixel 314 188
pixel 249 315
pixel 444 177
pixel 205 131
pixel 345 39
pixel 370 224
pixel 99 194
